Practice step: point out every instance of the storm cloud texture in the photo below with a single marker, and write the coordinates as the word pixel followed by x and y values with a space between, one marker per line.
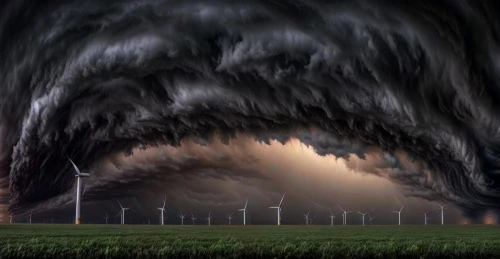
pixel 415 82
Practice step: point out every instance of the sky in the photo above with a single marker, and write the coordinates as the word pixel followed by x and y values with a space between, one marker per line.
pixel 211 102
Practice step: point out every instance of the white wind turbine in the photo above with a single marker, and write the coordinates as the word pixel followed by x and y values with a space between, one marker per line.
pixel 31 213
pixel 192 218
pixel 278 208
pixel 182 216
pixel 306 216
pixel 311 220
pixel 209 217
pixel 162 210
pixel 78 176
pixel 244 213
pixel 442 213
pixel 371 218
pixel 344 215
pixel 107 217
pixel 122 212
pixel 425 217
pixel 363 214
pixel 331 217
pixel 399 214
pixel 229 216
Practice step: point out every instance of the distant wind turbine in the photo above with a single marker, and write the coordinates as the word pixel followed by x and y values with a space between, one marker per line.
pixel 122 212
pixel 10 218
pixel 278 208
pixel 363 214
pixel 425 217
pixel 399 214
pixel 344 215
pixel 162 210
pixel 442 213
pixel 31 213
pixel 306 216
pixel 311 219
pixel 107 217
pixel 78 176
pixel 331 217
pixel 229 216
pixel 371 218
pixel 193 218
pixel 244 213
pixel 209 217
pixel 182 216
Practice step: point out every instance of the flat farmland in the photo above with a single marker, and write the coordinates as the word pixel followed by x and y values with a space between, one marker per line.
pixel 153 241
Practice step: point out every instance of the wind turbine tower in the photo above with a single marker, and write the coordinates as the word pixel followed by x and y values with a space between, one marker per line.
pixel 426 218
pixel 244 213
pixel 306 216
pixel 229 216
pixel 363 214
pixel 331 217
pixel 209 217
pixel 182 216
pixel 31 213
pixel 122 212
pixel 278 208
pixel 78 176
pixel 442 213
pixel 399 214
pixel 162 210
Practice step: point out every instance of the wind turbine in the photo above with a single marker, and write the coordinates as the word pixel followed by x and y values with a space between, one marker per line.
pixel 107 217
pixel 425 217
pixel 182 216
pixel 371 218
pixel 399 214
pixel 306 216
pixel 344 216
pixel 192 218
pixel 78 176
pixel 229 216
pixel 363 214
pixel 331 217
pixel 442 213
pixel 10 218
pixel 278 208
pixel 311 220
pixel 162 210
pixel 31 213
pixel 244 213
pixel 122 212
pixel 209 217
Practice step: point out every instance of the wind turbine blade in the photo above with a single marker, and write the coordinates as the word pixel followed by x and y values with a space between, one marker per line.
pixel 164 201
pixel 282 199
pixel 120 204
pixel 341 208
pixel 246 204
pixel 76 168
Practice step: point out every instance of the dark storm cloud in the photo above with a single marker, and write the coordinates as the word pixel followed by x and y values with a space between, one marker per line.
pixel 92 78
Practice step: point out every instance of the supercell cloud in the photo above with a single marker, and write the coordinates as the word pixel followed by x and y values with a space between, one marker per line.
pixel 415 82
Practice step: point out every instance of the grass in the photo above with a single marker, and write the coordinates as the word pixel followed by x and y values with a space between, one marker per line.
pixel 152 241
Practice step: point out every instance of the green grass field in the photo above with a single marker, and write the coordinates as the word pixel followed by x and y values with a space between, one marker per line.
pixel 153 241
